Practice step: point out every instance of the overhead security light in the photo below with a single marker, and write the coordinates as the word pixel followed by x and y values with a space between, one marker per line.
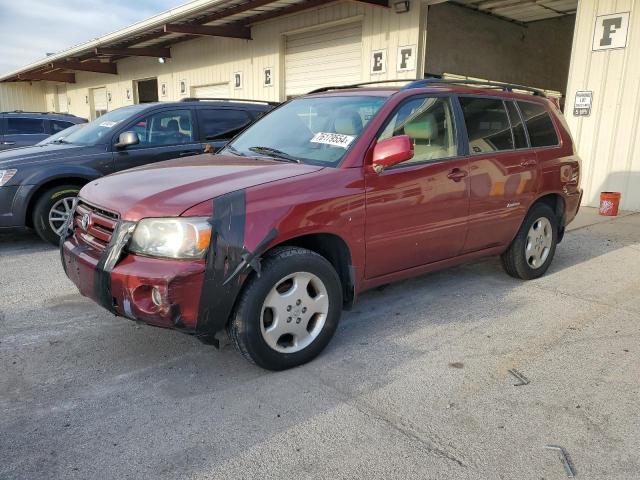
pixel 402 7
pixel 162 60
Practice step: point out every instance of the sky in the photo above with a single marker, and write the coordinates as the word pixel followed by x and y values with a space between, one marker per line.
pixel 29 29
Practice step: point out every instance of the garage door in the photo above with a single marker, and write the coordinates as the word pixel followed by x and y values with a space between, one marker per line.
pixel 320 58
pixel 220 90
pixel 99 102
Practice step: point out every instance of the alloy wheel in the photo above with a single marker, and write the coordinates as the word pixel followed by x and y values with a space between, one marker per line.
pixel 59 213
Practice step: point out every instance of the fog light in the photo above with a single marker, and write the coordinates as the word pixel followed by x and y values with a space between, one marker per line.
pixel 156 297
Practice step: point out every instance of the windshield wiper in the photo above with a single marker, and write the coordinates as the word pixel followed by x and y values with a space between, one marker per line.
pixel 61 141
pixel 275 154
pixel 235 151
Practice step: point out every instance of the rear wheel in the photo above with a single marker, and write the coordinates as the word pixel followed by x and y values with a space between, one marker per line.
pixel 286 316
pixel 532 251
pixel 51 211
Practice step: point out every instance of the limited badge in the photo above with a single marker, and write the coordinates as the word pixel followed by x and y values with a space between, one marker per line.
pixel 335 139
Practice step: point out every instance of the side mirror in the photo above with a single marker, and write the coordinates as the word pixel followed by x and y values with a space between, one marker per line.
pixel 392 151
pixel 126 139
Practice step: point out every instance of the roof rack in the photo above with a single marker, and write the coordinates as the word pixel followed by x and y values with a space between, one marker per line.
pixel 507 87
pixel 426 82
pixel 356 85
pixel 236 100
pixel 39 113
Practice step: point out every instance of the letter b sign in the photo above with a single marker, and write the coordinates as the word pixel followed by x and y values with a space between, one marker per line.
pixel 611 31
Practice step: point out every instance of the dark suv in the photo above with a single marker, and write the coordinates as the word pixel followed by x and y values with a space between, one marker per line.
pixel 331 194
pixel 38 183
pixel 21 129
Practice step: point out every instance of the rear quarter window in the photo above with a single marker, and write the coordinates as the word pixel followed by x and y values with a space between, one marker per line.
pixel 542 132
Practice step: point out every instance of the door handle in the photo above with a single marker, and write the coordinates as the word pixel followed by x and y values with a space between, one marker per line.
pixel 457 174
pixel 528 163
pixel 8 143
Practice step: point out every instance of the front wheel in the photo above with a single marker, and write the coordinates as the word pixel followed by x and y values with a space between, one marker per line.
pixel 51 211
pixel 532 251
pixel 286 316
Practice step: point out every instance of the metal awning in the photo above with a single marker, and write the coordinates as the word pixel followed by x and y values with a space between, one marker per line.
pixel 523 11
pixel 155 36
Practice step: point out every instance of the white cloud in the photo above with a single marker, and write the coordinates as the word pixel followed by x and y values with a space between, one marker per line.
pixel 29 29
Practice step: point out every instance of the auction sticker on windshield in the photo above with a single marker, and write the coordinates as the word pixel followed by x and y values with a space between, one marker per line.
pixel 335 139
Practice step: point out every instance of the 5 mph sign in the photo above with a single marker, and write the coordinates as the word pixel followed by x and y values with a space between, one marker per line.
pixel 582 104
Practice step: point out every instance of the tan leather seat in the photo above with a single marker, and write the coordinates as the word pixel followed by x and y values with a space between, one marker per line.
pixel 425 135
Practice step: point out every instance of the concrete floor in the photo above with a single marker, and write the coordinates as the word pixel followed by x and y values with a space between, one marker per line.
pixel 414 385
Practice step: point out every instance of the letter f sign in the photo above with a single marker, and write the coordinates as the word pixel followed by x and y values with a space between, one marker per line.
pixel 610 26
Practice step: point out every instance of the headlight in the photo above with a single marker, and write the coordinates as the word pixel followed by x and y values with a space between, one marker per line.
pixel 171 237
pixel 6 175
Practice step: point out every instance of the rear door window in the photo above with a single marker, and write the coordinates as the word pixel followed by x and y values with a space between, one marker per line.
pixel 221 123
pixel 542 132
pixel 24 126
pixel 487 124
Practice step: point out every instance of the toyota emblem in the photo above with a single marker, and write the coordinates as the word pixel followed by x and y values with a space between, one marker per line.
pixel 84 222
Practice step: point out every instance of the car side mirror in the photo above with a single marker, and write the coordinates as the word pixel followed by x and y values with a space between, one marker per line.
pixel 392 151
pixel 126 139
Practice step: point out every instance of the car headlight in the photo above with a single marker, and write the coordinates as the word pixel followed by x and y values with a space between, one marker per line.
pixel 178 237
pixel 6 175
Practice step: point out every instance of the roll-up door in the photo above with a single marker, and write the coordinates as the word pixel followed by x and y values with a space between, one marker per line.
pixel 220 90
pixel 319 58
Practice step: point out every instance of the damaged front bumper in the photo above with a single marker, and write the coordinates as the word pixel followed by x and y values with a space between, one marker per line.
pixel 124 283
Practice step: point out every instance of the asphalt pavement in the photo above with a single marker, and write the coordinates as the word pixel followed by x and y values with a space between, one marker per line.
pixel 415 384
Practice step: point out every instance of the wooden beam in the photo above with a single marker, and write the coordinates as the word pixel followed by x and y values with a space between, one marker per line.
pixel 156 52
pixel 209 30
pixel 50 77
pixel 97 67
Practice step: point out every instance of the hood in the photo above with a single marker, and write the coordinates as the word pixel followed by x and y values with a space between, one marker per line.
pixel 167 189
pixel 17 157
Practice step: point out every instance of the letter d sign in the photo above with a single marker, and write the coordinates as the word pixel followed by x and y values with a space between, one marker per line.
pixel 611 31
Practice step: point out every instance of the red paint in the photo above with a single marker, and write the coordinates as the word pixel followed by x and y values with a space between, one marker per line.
pixel 405 221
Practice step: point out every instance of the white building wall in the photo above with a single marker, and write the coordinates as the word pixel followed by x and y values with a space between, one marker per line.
pixel 212 60
pixel 609 139
pixel 22 96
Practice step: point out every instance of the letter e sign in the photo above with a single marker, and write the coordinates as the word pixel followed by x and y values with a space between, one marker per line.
pixel 611 31
pixel 378 61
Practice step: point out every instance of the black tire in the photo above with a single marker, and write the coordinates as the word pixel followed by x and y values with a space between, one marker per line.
pixel 245 328
pixel 515 260
pixel 43 206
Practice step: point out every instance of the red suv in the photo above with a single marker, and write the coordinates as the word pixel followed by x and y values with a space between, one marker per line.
pixel 328 195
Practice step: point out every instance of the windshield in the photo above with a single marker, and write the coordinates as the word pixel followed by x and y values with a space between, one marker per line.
pixel 101 128
pixel 316 130
pixel 56 137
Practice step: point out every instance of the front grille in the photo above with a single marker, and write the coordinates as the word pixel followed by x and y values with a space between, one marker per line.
pixel 100 226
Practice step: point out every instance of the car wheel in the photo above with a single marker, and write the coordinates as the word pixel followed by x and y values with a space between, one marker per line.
pixel 532 251
pixel 287 315
pixel 52 209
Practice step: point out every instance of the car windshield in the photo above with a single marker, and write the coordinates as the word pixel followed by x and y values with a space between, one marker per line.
pixel 100 129
pixel 315 130
pixel 61 135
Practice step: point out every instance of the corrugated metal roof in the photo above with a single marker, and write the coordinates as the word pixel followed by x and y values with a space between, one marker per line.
pixel 523 11
pixel 150 32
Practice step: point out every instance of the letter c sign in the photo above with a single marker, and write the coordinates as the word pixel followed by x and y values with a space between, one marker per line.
pixel 611 31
